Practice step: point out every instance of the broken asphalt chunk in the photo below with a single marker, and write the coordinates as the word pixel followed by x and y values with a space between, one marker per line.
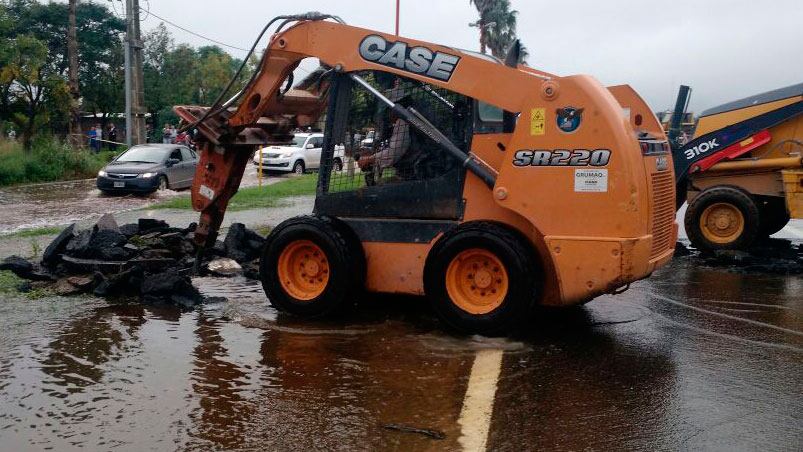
pixel 51 254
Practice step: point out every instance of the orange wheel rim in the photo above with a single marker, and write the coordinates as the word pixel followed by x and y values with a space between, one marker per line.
pixel 722 223
pixel 476 281
pixel 303 270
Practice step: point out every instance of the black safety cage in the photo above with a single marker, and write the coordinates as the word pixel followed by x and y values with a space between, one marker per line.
pixel 376 165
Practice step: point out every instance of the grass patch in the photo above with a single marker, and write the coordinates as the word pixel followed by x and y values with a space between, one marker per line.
pixel 9 282
pixel 48 160
pixel 257 197
pixel 263 230
pixel 34 232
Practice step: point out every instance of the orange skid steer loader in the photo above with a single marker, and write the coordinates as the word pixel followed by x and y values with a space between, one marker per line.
pixel 485 185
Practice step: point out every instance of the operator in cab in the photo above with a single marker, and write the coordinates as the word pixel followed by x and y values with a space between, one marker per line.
pixel 403 148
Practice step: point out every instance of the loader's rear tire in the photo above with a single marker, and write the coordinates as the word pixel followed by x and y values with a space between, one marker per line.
pixel 774 216
pixel 722 218
pixel 482 279
pixel 311 266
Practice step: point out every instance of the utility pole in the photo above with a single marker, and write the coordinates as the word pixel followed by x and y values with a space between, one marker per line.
pixel 74 129
pixel 134 87
pixel 398 7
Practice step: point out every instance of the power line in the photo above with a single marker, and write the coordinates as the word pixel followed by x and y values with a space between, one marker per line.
pixel 151 13
pixel 192 32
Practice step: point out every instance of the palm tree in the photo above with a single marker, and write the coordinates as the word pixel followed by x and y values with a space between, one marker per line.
pixel 497 25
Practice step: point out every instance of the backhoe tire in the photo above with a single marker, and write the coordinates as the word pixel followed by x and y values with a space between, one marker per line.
pixel 311 267
pixel 722 218
pixel 482 279
pixel 773 216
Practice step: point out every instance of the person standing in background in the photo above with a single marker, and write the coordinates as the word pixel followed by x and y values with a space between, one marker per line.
pixel 98 137
pixel 166 134
pixel 93 140
pixel 112 137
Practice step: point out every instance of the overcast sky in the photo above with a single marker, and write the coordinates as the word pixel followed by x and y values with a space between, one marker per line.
pixel 723 49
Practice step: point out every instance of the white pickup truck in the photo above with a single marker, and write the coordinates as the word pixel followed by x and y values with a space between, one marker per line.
pixel 303 154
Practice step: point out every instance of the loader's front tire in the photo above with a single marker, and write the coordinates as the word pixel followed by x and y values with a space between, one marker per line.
pixel 311 266
pixel 722 218
pixel 482 279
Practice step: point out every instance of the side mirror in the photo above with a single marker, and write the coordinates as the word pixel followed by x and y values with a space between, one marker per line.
pixel 171 162
pixel 310 146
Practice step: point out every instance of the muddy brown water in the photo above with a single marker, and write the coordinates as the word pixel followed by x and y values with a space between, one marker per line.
pixel 61 203
pixel 694 358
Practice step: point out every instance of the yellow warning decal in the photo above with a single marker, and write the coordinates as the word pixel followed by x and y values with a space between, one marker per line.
pixel 537 119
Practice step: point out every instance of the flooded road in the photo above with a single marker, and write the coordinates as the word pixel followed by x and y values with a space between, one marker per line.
pixel 693 358
pixel 61 203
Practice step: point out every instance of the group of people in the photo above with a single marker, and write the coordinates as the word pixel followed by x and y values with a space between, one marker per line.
pixel 97 138
pixel 170 135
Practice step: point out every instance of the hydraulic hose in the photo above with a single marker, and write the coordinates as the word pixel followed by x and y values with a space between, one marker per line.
pixel 216 107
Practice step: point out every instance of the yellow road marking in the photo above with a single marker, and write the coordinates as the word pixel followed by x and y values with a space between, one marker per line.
pixel 478 405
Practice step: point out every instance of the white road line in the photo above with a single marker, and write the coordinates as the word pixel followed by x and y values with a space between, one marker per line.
pixel 478 405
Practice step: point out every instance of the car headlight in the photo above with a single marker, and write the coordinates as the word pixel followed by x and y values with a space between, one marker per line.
pixel 286 155
pixel 101 173
pixel 147 175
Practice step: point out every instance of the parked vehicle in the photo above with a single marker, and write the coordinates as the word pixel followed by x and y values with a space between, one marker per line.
pixel 149 167
pixel 302 155
pixel 368 142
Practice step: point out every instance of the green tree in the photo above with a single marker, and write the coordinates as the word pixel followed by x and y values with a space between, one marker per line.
pixel 181 75
pixel 215 69
pixel 497 26
pixel 6 77
pixel 40 93
pixel 158 43
pixel 99 56
pixel 103 92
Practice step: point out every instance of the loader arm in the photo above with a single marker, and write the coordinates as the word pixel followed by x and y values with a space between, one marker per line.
pixel 267 111
pixel 228 138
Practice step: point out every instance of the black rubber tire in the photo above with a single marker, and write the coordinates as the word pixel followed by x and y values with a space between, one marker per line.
pixel 162 183
pixel 521 264
pixel 773 215
pixel 346 265
pixel 338 165
pixel 296 166
pixel 722 194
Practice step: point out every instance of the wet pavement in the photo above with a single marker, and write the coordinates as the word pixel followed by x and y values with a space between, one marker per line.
pixel 61 203
pixel 693 358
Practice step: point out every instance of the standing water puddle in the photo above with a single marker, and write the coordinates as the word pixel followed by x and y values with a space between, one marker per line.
pixel 656 367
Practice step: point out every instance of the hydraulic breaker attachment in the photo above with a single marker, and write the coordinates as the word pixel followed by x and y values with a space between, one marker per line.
pixel 224 155
pixel 223 169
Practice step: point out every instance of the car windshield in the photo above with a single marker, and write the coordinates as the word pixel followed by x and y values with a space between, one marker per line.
pixel 298 141
pixel 144 154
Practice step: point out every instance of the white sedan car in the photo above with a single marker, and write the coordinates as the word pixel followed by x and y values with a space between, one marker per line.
pixel 303 154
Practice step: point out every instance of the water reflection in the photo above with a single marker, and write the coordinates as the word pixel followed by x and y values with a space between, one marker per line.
pixel 587 385
pixel 628 372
